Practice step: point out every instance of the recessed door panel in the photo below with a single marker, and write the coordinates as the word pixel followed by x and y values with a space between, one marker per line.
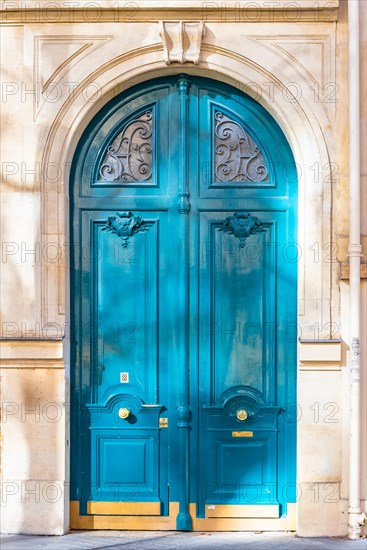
pixel 124 460
pixel 241 471
pixel 125 286
pixel 237 313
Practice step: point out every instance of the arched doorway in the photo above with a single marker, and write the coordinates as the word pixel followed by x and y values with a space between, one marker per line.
pixel 183 279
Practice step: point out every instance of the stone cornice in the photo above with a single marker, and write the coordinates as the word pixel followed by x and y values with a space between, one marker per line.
pixel 31 353
pixel 143 11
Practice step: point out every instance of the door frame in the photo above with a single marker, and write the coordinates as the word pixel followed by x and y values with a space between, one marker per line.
pixel 308 145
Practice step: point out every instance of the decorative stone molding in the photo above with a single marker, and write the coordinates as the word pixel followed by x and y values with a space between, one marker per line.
pixel 320 355
pixel 54 57
pixel 28 353
pixel 181 41
pixel 233 11
pixel 312 54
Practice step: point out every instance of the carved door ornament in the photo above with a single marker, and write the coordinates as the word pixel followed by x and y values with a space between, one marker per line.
pixel 242 225
pixel 130 156
pixel 125 225
pixel 181 41
pixel 237 156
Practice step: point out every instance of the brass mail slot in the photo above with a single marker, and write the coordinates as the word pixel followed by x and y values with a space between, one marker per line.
pixel 242 434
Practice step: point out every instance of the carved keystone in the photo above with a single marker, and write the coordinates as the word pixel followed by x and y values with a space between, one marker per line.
pixel 181 41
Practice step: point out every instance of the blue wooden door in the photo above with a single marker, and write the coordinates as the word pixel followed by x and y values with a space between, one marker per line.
pixel 184 308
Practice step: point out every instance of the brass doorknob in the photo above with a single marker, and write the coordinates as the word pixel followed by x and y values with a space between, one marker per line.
pixel 124 413
pixel 241 414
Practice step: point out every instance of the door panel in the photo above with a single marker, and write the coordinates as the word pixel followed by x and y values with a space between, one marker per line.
pixel 241 468
pixel 241 338
pixel 237 300
pixel 122 300
pixel 126 289
pixel 184 306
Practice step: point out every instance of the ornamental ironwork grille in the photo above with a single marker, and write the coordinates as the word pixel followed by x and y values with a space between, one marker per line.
pixel 237 157
pixel 129 157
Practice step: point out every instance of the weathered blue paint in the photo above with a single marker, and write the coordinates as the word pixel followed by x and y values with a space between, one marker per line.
pixel 197 309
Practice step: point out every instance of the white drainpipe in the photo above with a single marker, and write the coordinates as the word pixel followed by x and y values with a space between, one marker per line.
pixel 355 516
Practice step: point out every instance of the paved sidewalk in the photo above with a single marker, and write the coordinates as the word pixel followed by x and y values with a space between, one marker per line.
pixel 142 540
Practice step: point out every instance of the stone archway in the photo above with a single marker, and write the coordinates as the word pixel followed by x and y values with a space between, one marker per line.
pixel 298 118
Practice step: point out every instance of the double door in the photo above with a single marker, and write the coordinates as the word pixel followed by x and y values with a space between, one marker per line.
pixel 184 294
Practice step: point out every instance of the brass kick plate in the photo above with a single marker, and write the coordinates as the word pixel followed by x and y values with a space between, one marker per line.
pixel 163 422
pixel 242 434
pixel 124 508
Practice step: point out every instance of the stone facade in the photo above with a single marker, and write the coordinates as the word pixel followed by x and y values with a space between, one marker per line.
pixel 60 65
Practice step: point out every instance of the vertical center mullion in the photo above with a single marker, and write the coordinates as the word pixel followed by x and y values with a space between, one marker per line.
pixel 183 412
